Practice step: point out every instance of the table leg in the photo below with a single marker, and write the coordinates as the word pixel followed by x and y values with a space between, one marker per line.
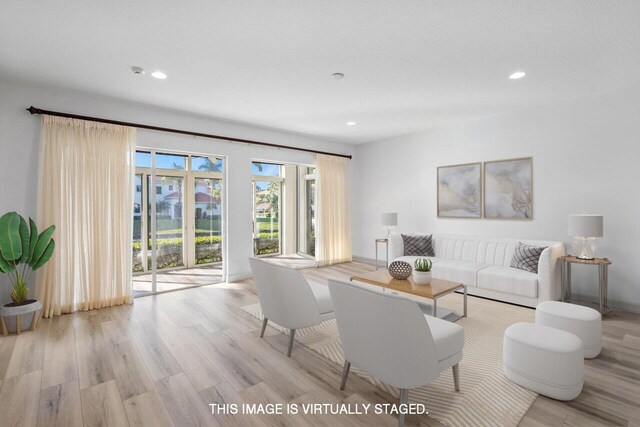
pixel 606 287
pixel 563 268
pixel 5 331
pixel 435 307
pixel 386 265
pixel 465 300
pixel 568 297
pixel 18 325
pixel 376 255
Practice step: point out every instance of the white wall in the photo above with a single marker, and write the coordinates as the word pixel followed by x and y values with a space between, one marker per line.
pixel 586 158
pixel 19 147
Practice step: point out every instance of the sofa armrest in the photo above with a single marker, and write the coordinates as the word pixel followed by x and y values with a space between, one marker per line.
pixel 549 273
pixel 396 246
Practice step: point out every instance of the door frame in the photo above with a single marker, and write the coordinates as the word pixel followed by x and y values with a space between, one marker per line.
pixel 148 199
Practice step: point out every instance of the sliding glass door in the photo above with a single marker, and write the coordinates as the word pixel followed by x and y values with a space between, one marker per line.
pixel 306 211
pixel 267 210
pixel 178 209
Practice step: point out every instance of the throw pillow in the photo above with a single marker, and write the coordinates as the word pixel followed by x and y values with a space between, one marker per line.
pixel 418 245
pixel 526 257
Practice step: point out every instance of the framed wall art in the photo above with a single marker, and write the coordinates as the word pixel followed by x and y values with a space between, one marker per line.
pixel 508 189
pixel 460 191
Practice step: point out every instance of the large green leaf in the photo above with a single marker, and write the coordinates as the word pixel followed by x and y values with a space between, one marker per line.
pixel 33 238
pixel 45 256
pixel 10 243
pixel 23 230
pixel 41 245
pixel 6 266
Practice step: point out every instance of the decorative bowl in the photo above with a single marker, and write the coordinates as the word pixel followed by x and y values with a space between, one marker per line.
pixel 400 270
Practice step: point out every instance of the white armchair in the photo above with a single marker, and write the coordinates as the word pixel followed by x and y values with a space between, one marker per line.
pixel 287 299
pixel 390 338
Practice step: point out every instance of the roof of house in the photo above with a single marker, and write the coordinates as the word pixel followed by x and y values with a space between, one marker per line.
pixel 205 198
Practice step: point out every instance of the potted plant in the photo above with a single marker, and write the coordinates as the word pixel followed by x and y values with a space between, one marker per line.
pixel 422 271
pixel 22 251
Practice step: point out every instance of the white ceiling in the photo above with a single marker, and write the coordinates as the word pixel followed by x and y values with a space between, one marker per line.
pixel 409 65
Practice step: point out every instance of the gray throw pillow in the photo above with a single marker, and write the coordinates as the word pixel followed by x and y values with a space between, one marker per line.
pixel 526 257
pixel 418 245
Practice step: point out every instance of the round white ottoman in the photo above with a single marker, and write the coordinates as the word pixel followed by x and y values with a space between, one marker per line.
pixel 546 360
pixel 584 322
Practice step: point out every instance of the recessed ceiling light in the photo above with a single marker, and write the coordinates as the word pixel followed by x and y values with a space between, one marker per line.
pixel 138 70
pixel 159 75
pixel 351 123
pixel 337 76
pixel 517 75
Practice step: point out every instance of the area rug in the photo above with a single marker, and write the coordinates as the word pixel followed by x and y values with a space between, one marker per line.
pixel 486 398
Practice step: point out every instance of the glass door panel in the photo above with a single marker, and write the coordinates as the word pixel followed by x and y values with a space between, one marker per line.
pixel 310 217
pixel 208 221
pixel 266 214
pixel 169 222
pixel 137 265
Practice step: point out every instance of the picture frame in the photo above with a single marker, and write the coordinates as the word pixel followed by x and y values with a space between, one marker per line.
pixel 459 191
pixel 508 189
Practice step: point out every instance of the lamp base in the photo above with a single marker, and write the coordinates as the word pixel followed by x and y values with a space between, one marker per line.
pixel 585 247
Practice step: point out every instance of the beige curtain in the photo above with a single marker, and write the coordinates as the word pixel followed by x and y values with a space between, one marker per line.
pixel 333 229
pixel 87 174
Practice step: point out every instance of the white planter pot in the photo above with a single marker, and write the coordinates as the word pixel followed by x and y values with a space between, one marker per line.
pixel 421 277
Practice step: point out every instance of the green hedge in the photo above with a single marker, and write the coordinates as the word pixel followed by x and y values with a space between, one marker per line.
pixel 169 252
pixel 208 250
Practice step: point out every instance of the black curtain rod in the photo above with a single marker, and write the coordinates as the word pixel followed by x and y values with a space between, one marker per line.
pixel 34 110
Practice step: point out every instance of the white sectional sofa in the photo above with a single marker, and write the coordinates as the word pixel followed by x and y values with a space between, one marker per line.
pixel 483 264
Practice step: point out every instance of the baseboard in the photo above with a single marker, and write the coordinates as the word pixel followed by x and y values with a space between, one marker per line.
pixel 238 277
pixel 613 304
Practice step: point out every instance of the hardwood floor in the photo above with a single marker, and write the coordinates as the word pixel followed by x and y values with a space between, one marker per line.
pixel 163 360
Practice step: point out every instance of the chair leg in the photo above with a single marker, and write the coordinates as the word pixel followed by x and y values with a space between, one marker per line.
pixel 264 327
pixel 404 398
pixel 345 374
pixel 456 376
pixel 292 334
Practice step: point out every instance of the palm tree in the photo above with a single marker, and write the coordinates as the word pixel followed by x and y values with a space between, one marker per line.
pixel 209 166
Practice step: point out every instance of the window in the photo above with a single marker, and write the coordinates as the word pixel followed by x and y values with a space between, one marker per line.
pixel 206 164
pixel 159 189
pixel 171 188
pixel 267 196
pixel 170 161
pixel 306 211
pixel 266 169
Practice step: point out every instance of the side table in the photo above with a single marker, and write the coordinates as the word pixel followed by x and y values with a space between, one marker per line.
pixel 603 271
pixel 386 244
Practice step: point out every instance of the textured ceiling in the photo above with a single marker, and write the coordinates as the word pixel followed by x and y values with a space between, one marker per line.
pixel 409 65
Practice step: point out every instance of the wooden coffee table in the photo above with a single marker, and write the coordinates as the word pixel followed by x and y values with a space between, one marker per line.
pixel 437 289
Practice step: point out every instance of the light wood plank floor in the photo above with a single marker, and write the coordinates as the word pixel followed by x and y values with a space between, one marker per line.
pixel 162 360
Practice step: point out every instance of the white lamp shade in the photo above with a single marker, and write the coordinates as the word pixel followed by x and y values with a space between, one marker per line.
pixel 585 225
pixel 389 219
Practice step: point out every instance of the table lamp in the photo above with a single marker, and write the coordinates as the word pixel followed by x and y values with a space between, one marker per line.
pixel 389 220
pixel 585 228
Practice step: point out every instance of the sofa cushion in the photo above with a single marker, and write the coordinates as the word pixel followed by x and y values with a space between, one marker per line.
pixel 417 245
pixel 509 280
pixel 526 257
pixel 464 272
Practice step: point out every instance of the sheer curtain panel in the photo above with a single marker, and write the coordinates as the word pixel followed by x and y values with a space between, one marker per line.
pixel 333 239
pixel 86 189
